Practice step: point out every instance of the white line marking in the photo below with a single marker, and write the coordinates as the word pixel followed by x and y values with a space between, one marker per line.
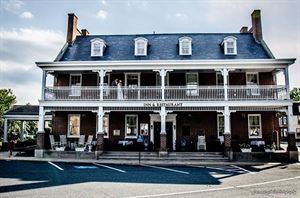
pixel 215 168
pixel 242 169
pixel 168 169
pixel 109 167
pixel 216 189
pixel 55 166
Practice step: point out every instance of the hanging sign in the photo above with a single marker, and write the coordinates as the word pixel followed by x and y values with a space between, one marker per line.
pixel 162 104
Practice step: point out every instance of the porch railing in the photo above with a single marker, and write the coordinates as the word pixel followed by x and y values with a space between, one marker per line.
pixel 182 93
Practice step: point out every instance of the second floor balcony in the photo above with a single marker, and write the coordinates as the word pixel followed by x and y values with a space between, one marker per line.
pixel 167 93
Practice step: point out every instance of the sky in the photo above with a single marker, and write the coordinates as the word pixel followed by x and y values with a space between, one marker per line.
pixel 35 30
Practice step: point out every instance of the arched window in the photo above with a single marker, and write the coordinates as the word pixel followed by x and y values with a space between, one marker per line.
pixel 140 46
pixel 185 46
pixel 230 46
pixel 97 47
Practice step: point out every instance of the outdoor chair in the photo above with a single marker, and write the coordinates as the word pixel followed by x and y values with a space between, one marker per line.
pixel 201 144
pixel 81 140
pixel 54 144
pixel 63 140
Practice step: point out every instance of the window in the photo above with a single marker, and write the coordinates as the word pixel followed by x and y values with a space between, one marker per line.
pixel 106 126
pixel 252 78
pixel 140 48
pixel 283 132
pixel 298 119
pixel 283 120
pixel 73 125
pixel 185 46
pixel 254 126
pixel 191 78
pixel 219 79
pixel 75 84
pixel 131 126
pixel 230 45
pixel 220 123
pixel 97 47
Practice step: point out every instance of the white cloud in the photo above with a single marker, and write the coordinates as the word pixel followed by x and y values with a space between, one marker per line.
pixel 27 15
pixel 13 6
pixel 103 2
pixel 101 14
pixel 19 50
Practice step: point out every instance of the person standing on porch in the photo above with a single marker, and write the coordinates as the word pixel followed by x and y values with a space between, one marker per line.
pixel 10 147
pixel 120 93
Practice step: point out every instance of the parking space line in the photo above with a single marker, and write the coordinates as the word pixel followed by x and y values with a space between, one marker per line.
pixel 215 168
pixel 109 167
pixel 168 169
pixel 56 166
pixel 243 169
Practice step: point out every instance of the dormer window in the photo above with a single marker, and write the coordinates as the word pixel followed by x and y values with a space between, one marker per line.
pixel 97 47
pixel 229 44
pixel 140 46
pixel 185 46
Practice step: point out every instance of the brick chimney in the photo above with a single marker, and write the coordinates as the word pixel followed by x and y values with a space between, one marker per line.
pixel 72 28
pixel 256 25
pixel 244 29
pixel 84 32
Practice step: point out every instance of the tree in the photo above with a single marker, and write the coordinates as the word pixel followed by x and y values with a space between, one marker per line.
pixel 295 94
pixel 7 100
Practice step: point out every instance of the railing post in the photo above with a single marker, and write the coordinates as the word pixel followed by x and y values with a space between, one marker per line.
pixel 101 75
pixel 225 82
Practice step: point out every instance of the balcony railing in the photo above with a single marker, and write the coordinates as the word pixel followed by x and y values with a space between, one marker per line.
pixel 182 93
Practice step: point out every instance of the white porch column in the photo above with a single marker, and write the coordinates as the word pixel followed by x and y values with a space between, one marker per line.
pixel 22 131
pixel 41 124
pixel 225 82
pixel 227 129
pixel 100 115
pixel 290 120
pixel 163 74
pixel 163 115
pixel 101 75
pixel 44 79
pixel 5 130
pixel 287 82
pixel 292 148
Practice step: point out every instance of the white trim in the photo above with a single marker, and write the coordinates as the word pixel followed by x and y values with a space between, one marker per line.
pixel 225 43
pixel 132 73
pixel 192 73
pixel 145 46
pixel 260 126
pixel 68 132
pixel 169 118
pixel 137 126
pixel 102 44
pixel 189 41
pixel 256 73
pixel 27 117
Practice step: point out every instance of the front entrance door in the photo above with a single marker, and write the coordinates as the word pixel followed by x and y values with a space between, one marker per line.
pixel 169 131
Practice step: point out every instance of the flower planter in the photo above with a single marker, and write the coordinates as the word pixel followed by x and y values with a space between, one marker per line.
pixel 80 149
pixel 246 150
pixel 60 148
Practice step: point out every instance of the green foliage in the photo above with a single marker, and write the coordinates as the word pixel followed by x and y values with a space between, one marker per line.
pixel 295 94
pixel 7 100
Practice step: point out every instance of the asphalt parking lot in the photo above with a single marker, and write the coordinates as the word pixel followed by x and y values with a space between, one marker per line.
pixel 53 179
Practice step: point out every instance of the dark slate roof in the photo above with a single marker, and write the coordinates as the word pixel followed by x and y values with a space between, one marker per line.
pixel 23 110
pixel 165 47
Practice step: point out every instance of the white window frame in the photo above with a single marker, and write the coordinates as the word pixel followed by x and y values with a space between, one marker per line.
pixel 136 47
pixel 137 126
pixel 75 89
pixel 217 74
pixel 102 46
pixel 221 137
pixel 254 91
pixel 69 116
pixel 135 73
pixel 247 80
pixel 181 41
pixel 225 45
pixel 260 126
pixel 189 73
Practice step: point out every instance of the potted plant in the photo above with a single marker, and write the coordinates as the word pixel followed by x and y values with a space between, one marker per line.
pixel 80 147
pixel 269 148
pixel 245 147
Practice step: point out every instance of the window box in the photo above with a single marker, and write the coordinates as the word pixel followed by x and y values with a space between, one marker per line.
pixel 79 149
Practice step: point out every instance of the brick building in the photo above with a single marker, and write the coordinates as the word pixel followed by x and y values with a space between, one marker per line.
pixel 167 89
